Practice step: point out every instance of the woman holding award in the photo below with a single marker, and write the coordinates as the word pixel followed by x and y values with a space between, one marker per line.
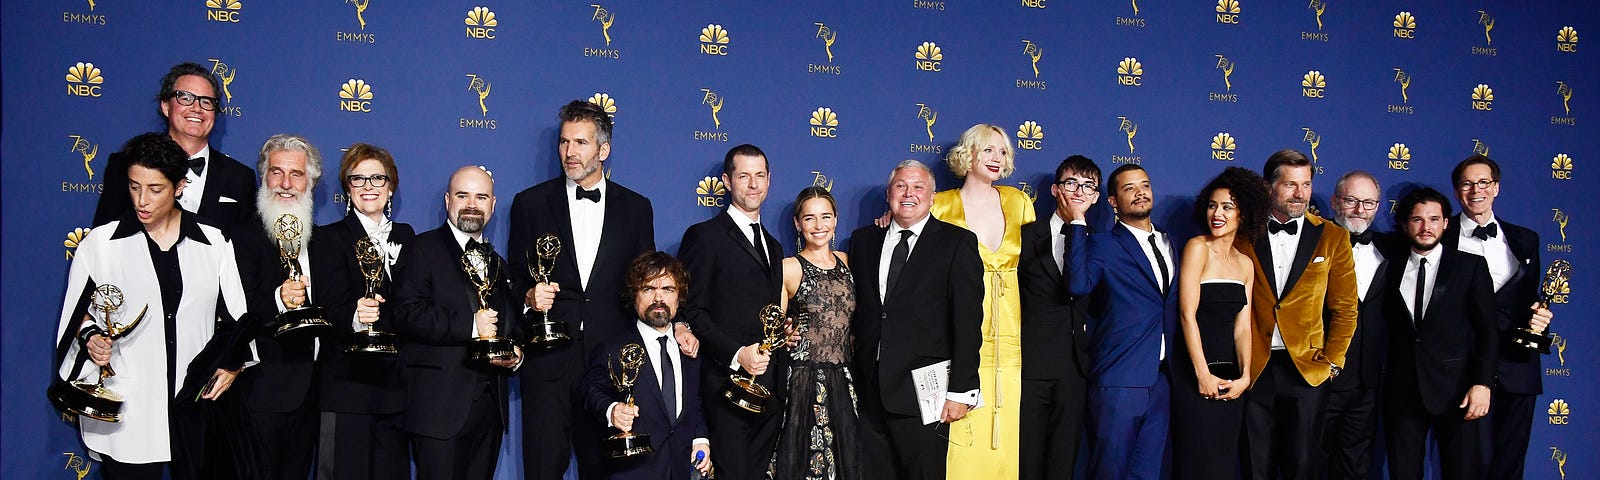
pixel 148 295
pixel 358 379
pixel 1214 322
pixel 820 437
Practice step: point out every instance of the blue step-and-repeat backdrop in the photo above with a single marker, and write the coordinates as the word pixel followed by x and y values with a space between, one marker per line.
pixel 836 92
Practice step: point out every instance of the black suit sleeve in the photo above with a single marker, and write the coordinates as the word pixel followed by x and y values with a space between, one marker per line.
pixel 114 198
pixel 1481 314
pixel 700 260
pixel 336 287
pixel 260 270
pixel 966 312
pixel 597 390
pixel 417 313
pixel 519 244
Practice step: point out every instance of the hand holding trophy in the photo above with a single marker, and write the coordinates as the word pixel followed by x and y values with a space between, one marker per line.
pixel 369 339
pixel 743 390
pixel 626 444
pixel 483 275
pixel 92 399
pixel 1555 283
pixel 541 262
pixel 289 233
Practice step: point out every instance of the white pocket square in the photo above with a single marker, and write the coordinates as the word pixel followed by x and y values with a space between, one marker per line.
pixel 1318 259
pixel 226 200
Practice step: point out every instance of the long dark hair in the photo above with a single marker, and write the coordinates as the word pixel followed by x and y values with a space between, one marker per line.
pixel 1249 192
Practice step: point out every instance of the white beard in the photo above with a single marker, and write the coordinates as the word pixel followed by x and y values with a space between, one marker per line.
pixel 270 207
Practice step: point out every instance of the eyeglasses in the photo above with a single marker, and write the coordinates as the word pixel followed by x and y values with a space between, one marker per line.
pixel 377 180
pixel 1352 201
pixel 1072 185
pixel 1481 184
pixel 208 104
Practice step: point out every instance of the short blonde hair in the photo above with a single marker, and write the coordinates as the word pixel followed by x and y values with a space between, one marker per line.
pixel 960 157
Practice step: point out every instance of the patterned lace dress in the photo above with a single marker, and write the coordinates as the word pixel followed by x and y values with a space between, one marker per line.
pixel 820 438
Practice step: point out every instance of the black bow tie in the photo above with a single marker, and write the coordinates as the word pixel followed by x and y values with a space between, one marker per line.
pixel 486 247
pixel 590 195
pixel 1363 238
pixel 1290 228
pixel 197 164
pixel 1483 232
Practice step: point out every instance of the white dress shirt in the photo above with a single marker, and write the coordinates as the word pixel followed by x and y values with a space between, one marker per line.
pixel 1143 236
pixel 744 222
pixel 461 241
pixel 1058 242
pixel 379 233
pixel 1367 261
pixel 1284 247
pixel 891 239
pixel 1408 282
pixel 1495 250
pixel 277 293
pixel 652 346
pixel 587 219
pixel 196 190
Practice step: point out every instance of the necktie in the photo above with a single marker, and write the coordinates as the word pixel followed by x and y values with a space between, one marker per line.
pixel 1363 238
pixel 590 195
pixel 197 165
pixel 897 260
pixel 1161 261
pixel 1289 228
pixel 1066 244
pixel 1483 232
pixel 755 238
pixel 669 379
pixel 1416 301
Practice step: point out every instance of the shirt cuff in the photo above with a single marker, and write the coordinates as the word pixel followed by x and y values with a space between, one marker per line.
pixel 277 299
pixel 734 364
pixel 1079 222
pixel 355 322
pixel 969 397
pixel 608 414
pixel 701 441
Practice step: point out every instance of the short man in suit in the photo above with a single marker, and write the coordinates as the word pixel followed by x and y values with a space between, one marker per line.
pixel 1352 409
pixel 666 396
pixel 1512 253
pixel 1442 344
pixel 1055 339
pixel 735 262
pixel 1127 275
pixel 919 302
pixel 219 187
pixel 279 392
pixel 601 226
pixel 455 407
pixel 1305 315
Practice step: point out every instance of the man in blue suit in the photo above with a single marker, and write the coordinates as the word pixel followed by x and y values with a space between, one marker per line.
pixel 667 393
pixel 1128 275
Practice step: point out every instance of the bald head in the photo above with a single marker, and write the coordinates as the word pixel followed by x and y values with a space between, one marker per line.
pixel 470 199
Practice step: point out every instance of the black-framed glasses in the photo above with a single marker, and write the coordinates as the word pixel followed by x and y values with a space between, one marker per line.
pixel 1072 185
pixel 1352 201
pixel 186 98
pixel 1483 184
pixel 376 180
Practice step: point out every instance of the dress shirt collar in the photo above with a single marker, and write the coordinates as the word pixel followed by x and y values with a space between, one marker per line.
pixel 1467 224
pixel 461 237
pixel 650 334
pixel 1298 222
pixel 370 226
pixel 915 228
pixel 1433 257
pixel 1139 232
pixel 740 218
pixel 572 189
pixel 188 227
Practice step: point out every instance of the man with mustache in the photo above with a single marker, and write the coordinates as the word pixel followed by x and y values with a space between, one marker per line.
pixel 279 392
pixel 1352 408
pixel 1127 274
pixel 1442 344
pixel 218 185
pixel 666 394
pixel 456 408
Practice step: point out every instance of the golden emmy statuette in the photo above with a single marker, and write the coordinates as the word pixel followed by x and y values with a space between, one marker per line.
pixel 92 399
pixel 483 276
pixel 369 339
pixel 306 318
pixel 626 444
pixel 546 332
pixel 1555 281
pixel 743 390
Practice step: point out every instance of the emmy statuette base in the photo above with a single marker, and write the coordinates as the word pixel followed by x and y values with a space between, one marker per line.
pixel 86 399
pixel 372 341
pixel 745 393
pixel 627 444
pixel 549 334
pixel 306 320
pixel 494 348
pixel 1533 341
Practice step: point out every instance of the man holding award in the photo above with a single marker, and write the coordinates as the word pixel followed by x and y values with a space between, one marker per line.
pixel 570 243
pixel 650 394
pixel 274 266
pixel 454 312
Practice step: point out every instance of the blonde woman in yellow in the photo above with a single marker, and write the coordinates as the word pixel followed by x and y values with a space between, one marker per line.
pixel 985 443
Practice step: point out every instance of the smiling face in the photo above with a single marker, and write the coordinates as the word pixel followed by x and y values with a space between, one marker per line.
pixel 189 123
pixel 1477 201
pixel 910 195
pixel 991 160
pixel 367 199
pixel 1348 210
pixel 470 201
pixel 1222 213
pixel 1085 193
pixel 1291 192
pixel 747 183
pixel 815 221
pixel 581 152
pixel 286 176
pixel 155 199
pixel 1424 224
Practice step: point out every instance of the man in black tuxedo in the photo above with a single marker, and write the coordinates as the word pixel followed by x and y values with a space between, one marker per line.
pixel 219 187
pixel 1442 344
pixel 666 396
pixel 1512 252
pixel 602 226
pixel 919 301
pixel 735 264
pixel 456 409
pixel 1351 420
pixel 1054 335
pixel 279 392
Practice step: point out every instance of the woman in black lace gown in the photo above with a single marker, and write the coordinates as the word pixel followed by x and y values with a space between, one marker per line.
pixel 1214 317
pixel 820 438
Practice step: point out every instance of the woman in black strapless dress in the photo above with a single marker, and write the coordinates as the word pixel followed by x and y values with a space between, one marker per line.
pixel 1214 316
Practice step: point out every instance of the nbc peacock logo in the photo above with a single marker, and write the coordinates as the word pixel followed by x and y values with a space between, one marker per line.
pixel 1399 157
pixel 355 95
pixel 1228 12
pixel 1030 136
pixel 74 238
pixel 1130 72
pixel 929 57
pixel 1482 97
pixel 824 123
pixel 1561 167
pixel 1222 146
pixel 709 192
pixel 605 102
pixel 1567 40
pixel 481 23
pixel 714 40
pixel 223 11
pixel 84 80
pixel 1313 85
pixel 1558 411
pixel 1405 26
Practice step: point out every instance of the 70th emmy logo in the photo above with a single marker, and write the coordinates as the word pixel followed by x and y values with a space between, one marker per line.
pixel 226 75
pixel 77 464
pixel 820 180
pixel 929 116
pixel 1033 52
pixel 1130 129
pixel 82 147
pixel 1560 457
pixel 1561 219
pixel 1404 79
pixel 361 10
pixel 828 36
pixel 481 86
pixel 1313 139
pixel 605 18
pixel 715 101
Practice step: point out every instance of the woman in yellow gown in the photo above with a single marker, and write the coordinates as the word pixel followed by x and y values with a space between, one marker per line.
pixel 985 443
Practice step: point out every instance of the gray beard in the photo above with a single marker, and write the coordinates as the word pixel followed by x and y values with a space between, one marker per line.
pixel 1344 222
pixel 270 207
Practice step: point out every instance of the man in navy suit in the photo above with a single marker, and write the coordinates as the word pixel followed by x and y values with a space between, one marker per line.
pixel 667 393
pixel 1128 275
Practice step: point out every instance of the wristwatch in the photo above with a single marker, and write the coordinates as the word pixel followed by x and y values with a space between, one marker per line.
pixel 1335 371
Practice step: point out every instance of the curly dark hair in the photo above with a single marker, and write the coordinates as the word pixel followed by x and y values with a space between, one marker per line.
pixel 582 111
pixel 649 265
pixel 1249 192
pixel 157 151
pixel 1409 202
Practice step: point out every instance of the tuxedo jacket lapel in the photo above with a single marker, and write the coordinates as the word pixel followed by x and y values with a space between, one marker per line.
pixel 1441 284
pixel 1131 245
pixel 736 233
pixel 560 216
pixel 1310 234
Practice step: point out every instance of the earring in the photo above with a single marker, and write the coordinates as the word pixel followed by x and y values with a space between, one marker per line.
pixel 799 243
pixel 388 208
